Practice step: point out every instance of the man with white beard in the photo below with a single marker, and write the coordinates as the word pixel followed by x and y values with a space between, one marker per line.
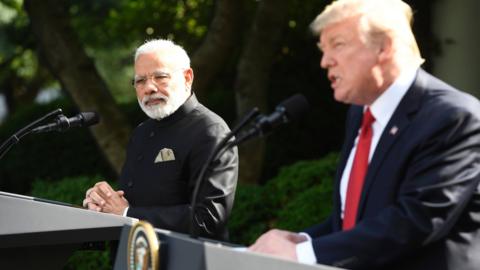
pixel 166 152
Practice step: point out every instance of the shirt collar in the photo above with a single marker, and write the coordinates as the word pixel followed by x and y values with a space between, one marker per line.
pixel 384 106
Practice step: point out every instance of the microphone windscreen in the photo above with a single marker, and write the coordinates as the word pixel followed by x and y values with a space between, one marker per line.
pixel 89 118
pixel 295 106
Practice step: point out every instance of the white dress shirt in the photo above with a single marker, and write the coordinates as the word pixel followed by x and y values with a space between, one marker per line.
pixel 382 109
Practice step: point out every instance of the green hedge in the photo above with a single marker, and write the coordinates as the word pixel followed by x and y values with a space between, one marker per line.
pixel 249 217
pixel 299 196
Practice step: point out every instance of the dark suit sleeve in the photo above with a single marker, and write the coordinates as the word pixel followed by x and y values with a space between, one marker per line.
pixel 441 175
pixel 215 199
pixel 321 229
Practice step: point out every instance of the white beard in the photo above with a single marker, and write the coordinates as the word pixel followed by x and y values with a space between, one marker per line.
pixel 170 105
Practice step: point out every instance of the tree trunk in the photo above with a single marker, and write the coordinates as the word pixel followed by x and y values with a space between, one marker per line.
pixel 217 47
pixel 77 73
pixel 253 76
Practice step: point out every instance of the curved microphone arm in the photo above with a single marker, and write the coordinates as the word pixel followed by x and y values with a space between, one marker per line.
pixel 15 138
pixel 245 136
pixel 223 145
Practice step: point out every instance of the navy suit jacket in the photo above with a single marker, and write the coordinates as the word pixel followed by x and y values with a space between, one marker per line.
pixel 420 204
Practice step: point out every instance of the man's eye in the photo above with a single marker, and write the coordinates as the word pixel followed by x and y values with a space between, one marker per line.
pixel 161 76
pixel 140 81
pixel 338 44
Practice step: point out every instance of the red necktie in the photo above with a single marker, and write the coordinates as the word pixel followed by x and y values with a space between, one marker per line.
pixel 359 171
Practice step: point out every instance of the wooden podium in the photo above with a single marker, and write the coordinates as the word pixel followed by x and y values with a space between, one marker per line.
pixel 180 252
pixel 41 234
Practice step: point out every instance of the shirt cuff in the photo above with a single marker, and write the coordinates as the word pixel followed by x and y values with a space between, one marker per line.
pixel 125 212
pixel 305 252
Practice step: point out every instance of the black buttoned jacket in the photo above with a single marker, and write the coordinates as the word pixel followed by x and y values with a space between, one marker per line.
pixel 161 191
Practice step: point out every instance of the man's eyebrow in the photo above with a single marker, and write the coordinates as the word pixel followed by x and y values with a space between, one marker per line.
pixel 329 41
pixel 160 71
pixel 155 72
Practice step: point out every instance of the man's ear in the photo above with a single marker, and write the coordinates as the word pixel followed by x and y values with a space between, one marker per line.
pixel 385 49
pixel 188 73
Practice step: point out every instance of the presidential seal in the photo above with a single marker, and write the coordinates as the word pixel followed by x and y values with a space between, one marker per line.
pixel 143 247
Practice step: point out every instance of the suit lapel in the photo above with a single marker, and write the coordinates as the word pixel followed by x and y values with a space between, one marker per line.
pixel 398 123
pixel 354 118
pixel 353 125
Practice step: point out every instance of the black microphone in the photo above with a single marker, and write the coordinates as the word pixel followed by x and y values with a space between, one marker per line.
pixel 62 123
pixel 289 110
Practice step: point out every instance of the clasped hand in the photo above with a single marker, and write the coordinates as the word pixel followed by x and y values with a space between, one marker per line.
pixel 102 198
pixel 278 243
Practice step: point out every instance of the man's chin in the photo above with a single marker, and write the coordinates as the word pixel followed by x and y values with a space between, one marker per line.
pixel 154 107
pixel 341 96
pixel 338 97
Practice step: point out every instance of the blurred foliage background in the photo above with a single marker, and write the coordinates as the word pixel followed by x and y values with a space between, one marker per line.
pixel 78 55
pixel 109 31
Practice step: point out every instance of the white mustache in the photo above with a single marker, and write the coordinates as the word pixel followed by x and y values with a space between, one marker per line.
pixel 154 96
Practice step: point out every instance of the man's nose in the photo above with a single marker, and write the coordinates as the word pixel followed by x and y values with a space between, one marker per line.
pixel 150 86
pixel 326 61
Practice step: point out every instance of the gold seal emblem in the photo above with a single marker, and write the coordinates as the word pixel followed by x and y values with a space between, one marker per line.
pixel 143 247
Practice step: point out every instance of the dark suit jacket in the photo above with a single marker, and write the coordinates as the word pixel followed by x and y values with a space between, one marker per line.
pixel 160 192
pixel 420 205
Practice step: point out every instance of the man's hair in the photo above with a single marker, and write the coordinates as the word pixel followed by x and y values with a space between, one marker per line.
pixel 378 19
pixel 173 50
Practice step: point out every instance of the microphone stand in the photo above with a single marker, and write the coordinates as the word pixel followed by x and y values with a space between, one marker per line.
pixel 15 138
pixel 223 145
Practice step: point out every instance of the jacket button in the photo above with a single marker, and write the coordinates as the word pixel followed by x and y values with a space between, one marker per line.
pixel 130 184
pixel 152 134
pixel 139 157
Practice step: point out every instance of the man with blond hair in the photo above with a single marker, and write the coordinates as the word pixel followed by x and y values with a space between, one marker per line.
pixel 406 192
pixel 167 152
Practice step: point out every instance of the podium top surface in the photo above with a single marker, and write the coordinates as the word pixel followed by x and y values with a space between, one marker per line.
pixel 22 214
pixel 179 251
